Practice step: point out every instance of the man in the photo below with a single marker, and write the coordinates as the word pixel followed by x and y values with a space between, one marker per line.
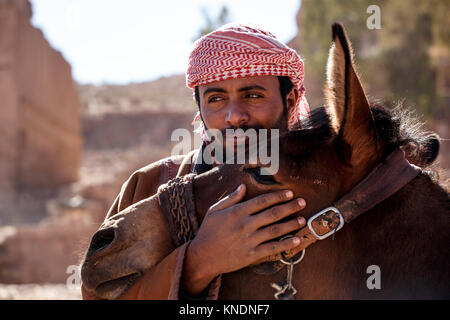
pixel 242 77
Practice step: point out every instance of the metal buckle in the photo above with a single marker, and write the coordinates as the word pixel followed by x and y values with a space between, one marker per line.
pixel 326 235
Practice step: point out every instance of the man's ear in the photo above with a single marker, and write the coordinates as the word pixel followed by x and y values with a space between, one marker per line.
pixel 291 99
pixel 347 104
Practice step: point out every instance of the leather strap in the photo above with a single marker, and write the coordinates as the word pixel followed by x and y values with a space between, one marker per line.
pixel 383 181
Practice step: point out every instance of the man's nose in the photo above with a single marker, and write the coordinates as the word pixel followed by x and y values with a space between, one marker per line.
pixel 236 115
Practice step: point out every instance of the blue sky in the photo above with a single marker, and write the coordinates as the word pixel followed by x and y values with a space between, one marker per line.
pixel 121 41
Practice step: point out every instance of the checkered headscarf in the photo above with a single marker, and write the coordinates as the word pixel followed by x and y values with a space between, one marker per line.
pixel 237 51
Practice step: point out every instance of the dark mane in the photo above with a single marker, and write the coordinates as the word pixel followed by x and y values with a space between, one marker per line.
pixel 397 127
pixel 400 128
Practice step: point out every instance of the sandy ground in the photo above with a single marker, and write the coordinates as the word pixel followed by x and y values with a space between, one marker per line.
pixel 38 292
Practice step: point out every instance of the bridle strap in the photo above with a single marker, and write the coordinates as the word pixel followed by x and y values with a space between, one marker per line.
pixel 383 181
pixel 386 179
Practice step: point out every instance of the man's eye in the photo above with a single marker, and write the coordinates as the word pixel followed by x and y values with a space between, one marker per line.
pixel 214 99
pixel 253 95
pixel 261 178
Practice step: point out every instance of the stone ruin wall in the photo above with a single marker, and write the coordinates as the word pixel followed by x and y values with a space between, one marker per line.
pixel 40 128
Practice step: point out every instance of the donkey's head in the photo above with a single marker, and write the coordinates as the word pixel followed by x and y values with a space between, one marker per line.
pixel 325 160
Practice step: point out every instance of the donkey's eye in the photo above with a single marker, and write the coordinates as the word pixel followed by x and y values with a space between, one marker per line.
pixel 259 177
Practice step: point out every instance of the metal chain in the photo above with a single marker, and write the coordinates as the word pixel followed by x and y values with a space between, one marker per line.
pixel 178 209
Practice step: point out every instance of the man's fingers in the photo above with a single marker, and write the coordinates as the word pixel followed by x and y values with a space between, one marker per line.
pixel 275 247
pixel 235 197
pixel 279 229
pixel 264 201
pixel 276 213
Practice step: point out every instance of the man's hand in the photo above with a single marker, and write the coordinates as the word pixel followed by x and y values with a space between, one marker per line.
pixel 232 236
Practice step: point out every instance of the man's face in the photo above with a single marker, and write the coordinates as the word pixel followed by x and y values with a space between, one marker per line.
pixel 251 102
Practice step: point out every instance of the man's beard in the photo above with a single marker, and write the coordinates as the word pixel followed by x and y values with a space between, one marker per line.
pixel 280 124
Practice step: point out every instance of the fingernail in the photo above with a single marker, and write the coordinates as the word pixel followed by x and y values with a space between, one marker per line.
pixel 301 202
pixel 301 221
pixel 296 240
pixel 239 189
pixel 289 194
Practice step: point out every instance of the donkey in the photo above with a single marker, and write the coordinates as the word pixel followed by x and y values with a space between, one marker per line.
pixel 405 236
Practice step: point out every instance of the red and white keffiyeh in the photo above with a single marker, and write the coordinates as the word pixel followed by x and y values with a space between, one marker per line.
pixel 236 51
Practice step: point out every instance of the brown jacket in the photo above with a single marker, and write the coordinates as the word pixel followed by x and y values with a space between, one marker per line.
pixel 162 281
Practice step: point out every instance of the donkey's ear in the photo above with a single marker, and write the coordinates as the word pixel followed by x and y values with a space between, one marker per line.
pixel 346 102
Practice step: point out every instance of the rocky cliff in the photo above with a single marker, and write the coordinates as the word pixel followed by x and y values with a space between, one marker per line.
pixel 40 120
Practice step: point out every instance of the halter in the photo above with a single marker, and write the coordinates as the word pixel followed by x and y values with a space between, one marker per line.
pixel 383 181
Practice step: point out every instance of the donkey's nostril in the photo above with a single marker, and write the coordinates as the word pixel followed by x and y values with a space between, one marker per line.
pixel 101 239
